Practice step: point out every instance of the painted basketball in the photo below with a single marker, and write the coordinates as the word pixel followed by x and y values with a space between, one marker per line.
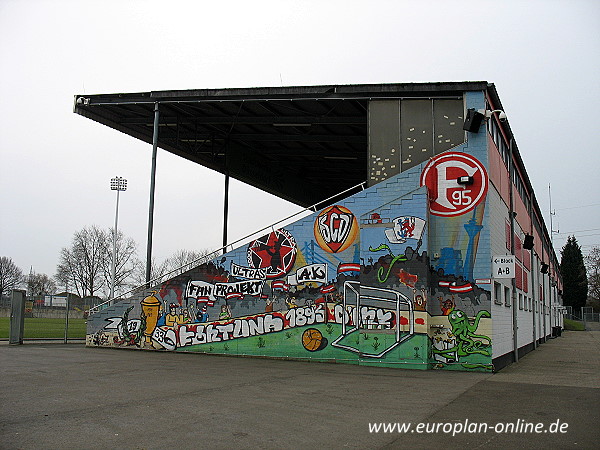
pixel 313 340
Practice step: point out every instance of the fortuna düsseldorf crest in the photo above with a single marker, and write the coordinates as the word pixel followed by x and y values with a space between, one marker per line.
pixel 447 197
pixel 275 252
pixel 335 229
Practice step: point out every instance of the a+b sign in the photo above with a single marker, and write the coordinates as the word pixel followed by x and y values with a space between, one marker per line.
pixel 503 266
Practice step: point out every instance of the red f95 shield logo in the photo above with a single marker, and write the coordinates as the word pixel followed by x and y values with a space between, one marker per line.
pixel 447 197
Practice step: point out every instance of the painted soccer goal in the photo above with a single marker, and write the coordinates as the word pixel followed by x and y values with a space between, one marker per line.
pixel 376 300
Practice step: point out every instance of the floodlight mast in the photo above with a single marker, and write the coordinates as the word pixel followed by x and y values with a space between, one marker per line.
pixel 116 184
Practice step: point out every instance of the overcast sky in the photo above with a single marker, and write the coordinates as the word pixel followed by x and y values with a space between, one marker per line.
pixel 56 166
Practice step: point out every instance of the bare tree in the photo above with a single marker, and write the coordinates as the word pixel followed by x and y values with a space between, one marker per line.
pixel 592 261
pixel 39 284
pixel 157 271
pixel 127 263
pixel 81 265
pixel 11 276
pixel 86 265
pixel 183 260
pixel 177 263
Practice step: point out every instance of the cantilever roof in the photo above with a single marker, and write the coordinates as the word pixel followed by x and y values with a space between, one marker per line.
pixel 303 144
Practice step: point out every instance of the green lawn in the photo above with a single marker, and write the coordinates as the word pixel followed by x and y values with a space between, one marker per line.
pixel 573 325
pixel 45 328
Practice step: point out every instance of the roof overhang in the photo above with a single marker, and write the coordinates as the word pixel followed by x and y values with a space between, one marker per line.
pixel 303 144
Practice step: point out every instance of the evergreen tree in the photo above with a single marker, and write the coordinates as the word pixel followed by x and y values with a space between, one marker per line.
pixel 574 275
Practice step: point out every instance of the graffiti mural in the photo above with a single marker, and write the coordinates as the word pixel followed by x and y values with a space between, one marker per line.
pixel 275 252
pixel 457 183
pixel 370 280
pixel 335 229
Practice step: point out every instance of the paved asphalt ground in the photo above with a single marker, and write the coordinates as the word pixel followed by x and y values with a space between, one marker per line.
pixel 56 396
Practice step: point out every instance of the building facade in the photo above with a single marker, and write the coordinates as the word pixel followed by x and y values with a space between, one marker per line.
pixel 440 260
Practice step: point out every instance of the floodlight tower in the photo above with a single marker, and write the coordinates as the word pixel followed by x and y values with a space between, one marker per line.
pixel 116 184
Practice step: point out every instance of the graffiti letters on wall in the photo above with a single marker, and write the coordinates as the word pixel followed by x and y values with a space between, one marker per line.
pixel 348 283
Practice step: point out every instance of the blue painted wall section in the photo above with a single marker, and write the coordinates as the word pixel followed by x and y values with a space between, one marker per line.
pixel 380 278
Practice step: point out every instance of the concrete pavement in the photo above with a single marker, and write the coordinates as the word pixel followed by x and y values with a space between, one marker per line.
pixel 69 396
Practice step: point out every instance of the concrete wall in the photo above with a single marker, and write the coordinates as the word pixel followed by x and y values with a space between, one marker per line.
pixel 397 275
pixel 533 296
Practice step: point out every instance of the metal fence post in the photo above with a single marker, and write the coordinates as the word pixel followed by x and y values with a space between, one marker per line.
pixel 17 317
pixel 67 319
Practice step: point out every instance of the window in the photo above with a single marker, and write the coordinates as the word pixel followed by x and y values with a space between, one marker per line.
pixel 448 117
pixel 384 140
pixel 520 185
pixel 506 296
pixel 494 129
pixel 520 301
pixel 518 276
pixel 504 152
pixel 496 135
pixel 416 132
pixel 518 248
pixel 406 132
pixel 527 260
pixel 497 293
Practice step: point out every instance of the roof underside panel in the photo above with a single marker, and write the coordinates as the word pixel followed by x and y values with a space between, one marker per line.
pixel 303 144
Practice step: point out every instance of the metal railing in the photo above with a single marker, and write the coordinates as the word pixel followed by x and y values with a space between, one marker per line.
pixel 220 251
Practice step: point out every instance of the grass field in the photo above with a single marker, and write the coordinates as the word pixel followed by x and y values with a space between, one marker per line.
pixel 45 328
pixel 573 325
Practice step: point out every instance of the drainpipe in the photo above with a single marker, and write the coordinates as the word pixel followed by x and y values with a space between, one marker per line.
pixel 550 265
pixel 512 250
pixel 534 268
pixel 536 287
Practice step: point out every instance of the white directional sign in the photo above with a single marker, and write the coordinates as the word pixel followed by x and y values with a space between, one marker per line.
pixel 503 266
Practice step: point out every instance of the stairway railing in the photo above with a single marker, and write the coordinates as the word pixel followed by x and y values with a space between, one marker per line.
pixel 220 251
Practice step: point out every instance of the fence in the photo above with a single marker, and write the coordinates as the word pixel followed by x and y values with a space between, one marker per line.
pixel 47 320
pixel 589 318
pixel 586 314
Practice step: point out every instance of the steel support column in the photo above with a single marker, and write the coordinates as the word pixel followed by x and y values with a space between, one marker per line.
pixel 225 211
pixel 152 186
